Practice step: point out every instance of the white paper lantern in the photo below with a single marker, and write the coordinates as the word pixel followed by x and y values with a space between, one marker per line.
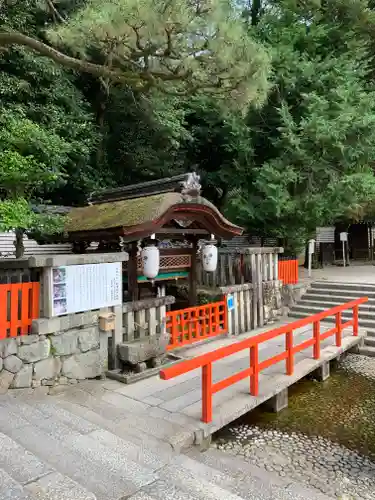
pixel 150 261
pixel 209 258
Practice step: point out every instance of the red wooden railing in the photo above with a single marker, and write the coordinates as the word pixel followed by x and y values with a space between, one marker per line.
pixel 288 271
pixel 252 372
pixel 193 324
pixel 19 305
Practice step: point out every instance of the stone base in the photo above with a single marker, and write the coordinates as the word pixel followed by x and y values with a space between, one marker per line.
pixel 357 348
pixel 278 402
pixel 140 351
pixel 323 372
pixel 130 378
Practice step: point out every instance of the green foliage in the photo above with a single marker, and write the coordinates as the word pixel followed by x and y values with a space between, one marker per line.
pixel 46 129
pixel 314 140
pixel 279 165
pixel 178 47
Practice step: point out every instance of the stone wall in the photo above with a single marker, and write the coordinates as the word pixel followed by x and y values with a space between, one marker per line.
pixel 74 351
pixel 60 349
pixel 291 294
pixel 272 300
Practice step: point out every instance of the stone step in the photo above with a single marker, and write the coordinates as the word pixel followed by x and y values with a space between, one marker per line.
pixel 92 465
pixel 164 490
pixel 197 487
pixel 337 285
pixel 364 323
pixel 329 302
pixel 102 431
pixel 245 479
pixel 342 299
pixel 56 486
pixel 340 292
pixel 19 463
pixel 305 307
pixel 114 407
pixel 370 341
pixel 136 442
pixel 367 350
pixel 11 490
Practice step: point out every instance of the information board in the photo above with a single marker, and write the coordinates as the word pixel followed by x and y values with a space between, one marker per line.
pixel 85 287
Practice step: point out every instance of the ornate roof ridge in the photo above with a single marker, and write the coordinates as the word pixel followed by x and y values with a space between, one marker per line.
pixel 188 184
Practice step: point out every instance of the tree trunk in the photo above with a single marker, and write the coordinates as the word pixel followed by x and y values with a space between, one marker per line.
pixel 18 243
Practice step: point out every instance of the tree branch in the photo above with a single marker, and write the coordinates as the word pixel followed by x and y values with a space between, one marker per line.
pixel 15 38
pixel 55 12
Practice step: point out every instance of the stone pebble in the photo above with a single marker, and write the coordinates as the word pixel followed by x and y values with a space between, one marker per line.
pixel 324 465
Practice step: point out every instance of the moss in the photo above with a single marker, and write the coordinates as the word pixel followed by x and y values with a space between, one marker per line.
pixel 133 212
pixel 121 213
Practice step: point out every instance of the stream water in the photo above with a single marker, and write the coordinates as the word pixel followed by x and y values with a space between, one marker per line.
pixel 325 438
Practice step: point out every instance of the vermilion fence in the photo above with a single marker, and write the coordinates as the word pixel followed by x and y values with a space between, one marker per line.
pixel 288 271
pixel 255 367
pixel 193 324
pixel 19 305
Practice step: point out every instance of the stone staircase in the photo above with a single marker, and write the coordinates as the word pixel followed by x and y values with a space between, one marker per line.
pixel 323 295
pixel 79 446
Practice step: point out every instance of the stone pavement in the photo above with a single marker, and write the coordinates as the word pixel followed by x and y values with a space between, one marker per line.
pixel 107 441
pixel 92 443
pixel 357 272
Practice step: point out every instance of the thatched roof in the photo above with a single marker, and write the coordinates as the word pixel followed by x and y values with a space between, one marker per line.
pixel 144 212
pixel 121 213
pixel 139 210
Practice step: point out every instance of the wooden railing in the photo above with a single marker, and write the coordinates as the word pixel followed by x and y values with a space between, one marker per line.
pixel 255 367
pixel 243 265
pixel 145 318
pixel 193 324
pixel 288 271
pixel 19 305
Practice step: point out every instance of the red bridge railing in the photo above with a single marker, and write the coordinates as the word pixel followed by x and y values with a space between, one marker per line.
pixel 193 324
pixel 19 305
pixel 255 367
pixel 288 271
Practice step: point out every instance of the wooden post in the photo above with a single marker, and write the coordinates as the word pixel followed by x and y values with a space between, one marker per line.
pixel 133 271
pixel 270 266
pixel 260 288
pixel 193 274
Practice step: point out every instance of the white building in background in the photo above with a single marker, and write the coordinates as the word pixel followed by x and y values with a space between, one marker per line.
pixel 7 248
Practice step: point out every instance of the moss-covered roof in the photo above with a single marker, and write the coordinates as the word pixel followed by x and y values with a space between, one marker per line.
pixel 134 212
pixel 121 213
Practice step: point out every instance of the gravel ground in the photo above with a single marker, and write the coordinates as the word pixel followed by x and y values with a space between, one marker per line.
pixel 322 464
pixel 359 364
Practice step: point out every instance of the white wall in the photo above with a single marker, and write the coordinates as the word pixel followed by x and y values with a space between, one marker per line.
pixel 31 247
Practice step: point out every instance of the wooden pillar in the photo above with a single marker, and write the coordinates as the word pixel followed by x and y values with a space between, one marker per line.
pixel 132 272
pixel 193 297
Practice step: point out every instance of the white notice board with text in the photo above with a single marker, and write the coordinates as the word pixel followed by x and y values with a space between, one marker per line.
pixel 85 287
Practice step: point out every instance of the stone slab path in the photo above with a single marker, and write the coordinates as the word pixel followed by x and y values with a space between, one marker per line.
pixel 102 440
pixel 88 444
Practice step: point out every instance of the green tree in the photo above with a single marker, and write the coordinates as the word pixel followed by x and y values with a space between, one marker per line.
pixel 179 47
pixel 47 132
pixel 30 158
pixel 314 139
